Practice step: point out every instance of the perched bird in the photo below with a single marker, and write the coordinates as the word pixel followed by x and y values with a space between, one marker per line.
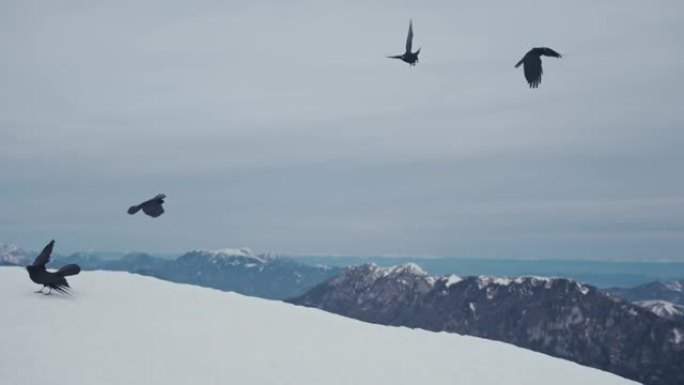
pixel 56 281
pixel 408 56
pixel 533 64
pixel 152 207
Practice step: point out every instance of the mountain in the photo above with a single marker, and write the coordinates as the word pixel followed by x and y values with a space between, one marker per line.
pixel 87 260
pixel 139 263
pixel 244 272
pixel 11 255
pixel 120 328
pixel 664 309
pixel 555 316
pixel 672 291
pixel 238 270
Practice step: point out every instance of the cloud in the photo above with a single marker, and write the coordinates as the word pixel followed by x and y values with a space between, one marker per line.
pixel 283 127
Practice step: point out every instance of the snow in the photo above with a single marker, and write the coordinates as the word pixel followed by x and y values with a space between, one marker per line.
pixel 13 254
pixel 452 279
pixel 675 285
pixel 662 308
pixel 410 268
pixel 678 336
pixel 120 328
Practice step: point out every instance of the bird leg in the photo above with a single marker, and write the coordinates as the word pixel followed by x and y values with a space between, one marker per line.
pixel 41 290
pixel 49 291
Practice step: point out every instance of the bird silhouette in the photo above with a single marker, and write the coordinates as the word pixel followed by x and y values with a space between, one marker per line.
pixel 53 281
pixel 409 57
pixel 152 207
pixel 532 64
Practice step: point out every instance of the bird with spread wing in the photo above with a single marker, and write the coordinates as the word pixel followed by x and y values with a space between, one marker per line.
pixel 152 207
pixel 532 64
pixel 409 57
pixel 53 281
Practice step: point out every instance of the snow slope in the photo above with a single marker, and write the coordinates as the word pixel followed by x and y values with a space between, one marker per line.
pixel 119 328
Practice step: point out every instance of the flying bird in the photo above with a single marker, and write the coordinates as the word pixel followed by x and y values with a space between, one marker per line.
pixel 532 64
pixel 152 207
pixel 408 56
pixel 53 281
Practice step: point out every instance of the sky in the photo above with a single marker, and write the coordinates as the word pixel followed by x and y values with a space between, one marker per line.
pixel 281 126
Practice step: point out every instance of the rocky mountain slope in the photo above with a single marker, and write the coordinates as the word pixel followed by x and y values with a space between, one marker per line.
pixel 556 316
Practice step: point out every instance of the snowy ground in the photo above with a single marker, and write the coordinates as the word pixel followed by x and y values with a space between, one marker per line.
pixel 119 328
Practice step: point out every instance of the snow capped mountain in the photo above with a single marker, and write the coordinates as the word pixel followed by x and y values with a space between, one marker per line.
pixel 13 255
pixel 556 316
pixel 119 328
pixel 242 271
pixel 672 291
pixel 664 309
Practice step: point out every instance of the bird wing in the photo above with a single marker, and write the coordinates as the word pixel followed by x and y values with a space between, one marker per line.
pixel 44 257
pixel 533 70
pixel 409 38
pixel 520 62
pixel 550 52
pixel 153 209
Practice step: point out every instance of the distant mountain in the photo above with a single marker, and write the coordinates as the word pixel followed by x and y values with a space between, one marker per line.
pixel 556 316
pixel 11 255
pixel 672 291
pixel 87 260
pixel 138 263
pixel 664 309
pixel 244 272
pixel 238 270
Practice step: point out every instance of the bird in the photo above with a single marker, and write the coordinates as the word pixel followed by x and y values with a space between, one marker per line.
pixel 53 281
pixel 409 57
pixel 152 207
pixel 533 64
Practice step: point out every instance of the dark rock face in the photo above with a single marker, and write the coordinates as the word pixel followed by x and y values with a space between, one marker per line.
pixel 556 316
pixel 672 291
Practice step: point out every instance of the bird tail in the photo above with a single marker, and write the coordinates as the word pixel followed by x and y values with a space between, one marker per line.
pixel 133 209
pixel 71 269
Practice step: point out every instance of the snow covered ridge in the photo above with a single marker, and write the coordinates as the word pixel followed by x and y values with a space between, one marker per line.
pixel 411 269
pixel 228 253
pixel 13 255
pixel 663 309
pixel 108 333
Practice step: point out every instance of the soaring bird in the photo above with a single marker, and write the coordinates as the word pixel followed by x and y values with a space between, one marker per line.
pixel 533 64
pixel 152 207
pixel 53 281
pixel 408 56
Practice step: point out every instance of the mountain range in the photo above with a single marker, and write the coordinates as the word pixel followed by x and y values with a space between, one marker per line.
pixel 555 316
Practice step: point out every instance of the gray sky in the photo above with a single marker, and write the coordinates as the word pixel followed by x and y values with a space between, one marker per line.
pixel 281 126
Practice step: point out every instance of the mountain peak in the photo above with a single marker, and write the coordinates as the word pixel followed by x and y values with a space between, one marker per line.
pixel 11 254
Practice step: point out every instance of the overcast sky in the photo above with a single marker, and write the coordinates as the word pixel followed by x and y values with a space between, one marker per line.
pixel 281 126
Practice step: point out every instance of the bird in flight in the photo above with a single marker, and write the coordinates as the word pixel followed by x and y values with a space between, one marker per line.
pixel 152 207
pixel 532 64
pixel 53 281
pixel 409 57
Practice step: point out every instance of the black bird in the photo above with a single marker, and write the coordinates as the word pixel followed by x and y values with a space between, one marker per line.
pixel 533 64
pixel 152 207
pixel 408 56
pixel 53 281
